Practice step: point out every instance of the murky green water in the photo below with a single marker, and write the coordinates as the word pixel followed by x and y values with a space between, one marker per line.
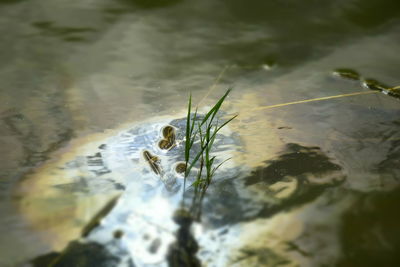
pixel 71 71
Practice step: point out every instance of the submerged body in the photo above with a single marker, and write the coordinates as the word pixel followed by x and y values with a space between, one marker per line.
pixel 140 226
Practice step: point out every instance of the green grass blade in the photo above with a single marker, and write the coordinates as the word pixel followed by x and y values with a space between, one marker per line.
pixel 191 137
pixel 197 183
pixel 195 159
pixel 219 104
pixel 220 127
pixel 187 143
pixel 225 123
pixel 212 139
pixel 203 147
pixel 192 126
pixel 206 135
pixel 219 165
pixel 213 111
pixel 209 170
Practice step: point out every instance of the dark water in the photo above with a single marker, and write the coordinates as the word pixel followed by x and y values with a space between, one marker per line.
pixel 72 69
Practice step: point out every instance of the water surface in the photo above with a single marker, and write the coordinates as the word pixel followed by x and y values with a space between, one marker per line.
pixel 70 72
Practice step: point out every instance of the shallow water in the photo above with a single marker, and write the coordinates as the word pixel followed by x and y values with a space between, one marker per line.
pixel 74 74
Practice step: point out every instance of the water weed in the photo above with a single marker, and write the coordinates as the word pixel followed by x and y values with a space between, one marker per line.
pixel 203 130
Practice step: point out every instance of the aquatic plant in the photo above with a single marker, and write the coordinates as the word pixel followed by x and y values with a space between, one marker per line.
pixel 204 130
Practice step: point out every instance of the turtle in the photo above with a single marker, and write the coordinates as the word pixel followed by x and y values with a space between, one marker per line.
pixel 132 178
pixel 142 164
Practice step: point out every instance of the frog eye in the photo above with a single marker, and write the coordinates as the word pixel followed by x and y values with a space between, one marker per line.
pixel 168 140
pixel 164 144
pixel 168 131
pixel 180 167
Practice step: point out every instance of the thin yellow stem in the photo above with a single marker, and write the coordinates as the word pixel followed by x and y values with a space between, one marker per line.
pixel 212 87
pixel 315 99
pixel 394 88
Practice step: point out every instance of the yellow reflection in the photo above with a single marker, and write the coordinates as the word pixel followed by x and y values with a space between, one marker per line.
pixel 59 215
pixel 259 140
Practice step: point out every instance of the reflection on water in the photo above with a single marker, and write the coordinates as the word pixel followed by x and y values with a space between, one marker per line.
pixel 73 76
pixel 66 33
pixel 152 4
pixel 392 160
pixel 299 175
pixel 295 162
pixel 372 243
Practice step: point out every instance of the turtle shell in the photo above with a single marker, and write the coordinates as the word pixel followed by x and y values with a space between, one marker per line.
pixel 61 197
pixel 136 168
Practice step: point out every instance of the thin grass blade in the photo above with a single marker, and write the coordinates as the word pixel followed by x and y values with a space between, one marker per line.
pixel 219 165
pixel 187 143
pixel 216 107
pixel 225 123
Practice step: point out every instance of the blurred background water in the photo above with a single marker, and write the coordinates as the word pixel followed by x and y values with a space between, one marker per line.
pixel 73 68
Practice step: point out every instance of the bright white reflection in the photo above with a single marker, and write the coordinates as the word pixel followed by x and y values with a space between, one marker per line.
pixel 152 231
